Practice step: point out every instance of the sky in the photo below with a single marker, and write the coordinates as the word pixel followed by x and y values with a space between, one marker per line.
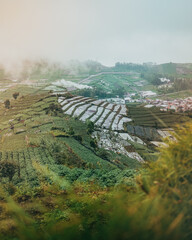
pixel 107 31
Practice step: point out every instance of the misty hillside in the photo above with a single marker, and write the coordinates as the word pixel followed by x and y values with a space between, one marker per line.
pixel 95 120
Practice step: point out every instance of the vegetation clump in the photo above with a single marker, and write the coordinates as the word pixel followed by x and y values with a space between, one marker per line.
pixel 90 126
pixel 15 95
pixel 54 109
pixel 8 169
pixel 7 103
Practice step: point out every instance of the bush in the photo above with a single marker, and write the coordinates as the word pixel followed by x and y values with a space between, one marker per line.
pixel 15 95
pixel 93 143
pixel 8 169
pixel 78 138
pixel 7 104
pixel 90 126
pixel 54 109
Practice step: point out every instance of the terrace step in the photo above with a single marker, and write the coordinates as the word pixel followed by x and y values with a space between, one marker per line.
pixel 103 114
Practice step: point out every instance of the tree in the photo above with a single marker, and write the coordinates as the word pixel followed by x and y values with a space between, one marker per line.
pixel 90 126
pixel 156 81
pixel 7 103
pixel 8 169
pixel 93 144
pixel 15 95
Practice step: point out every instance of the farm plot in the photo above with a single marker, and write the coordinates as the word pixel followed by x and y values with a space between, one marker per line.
pixel 67 104
pixel 102 117
pixel 90 111
pixel 122 121
pixel 98 114
pixel 103 114
pixel 86 114
pixel 24 160
pixel 72 108
pixel 123 110
pixel 110 106
pixel 117 108
pixel 108 121
pixel 80 110
pixel 115 123
pixel 154 117
pixel 98 102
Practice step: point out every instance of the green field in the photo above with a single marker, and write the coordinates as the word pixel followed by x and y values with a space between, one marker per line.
pixel 153 117
pixel 110 82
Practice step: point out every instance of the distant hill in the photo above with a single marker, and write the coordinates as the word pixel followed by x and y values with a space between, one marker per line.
pixel 174 68
pixel 46 71
pixel 179 69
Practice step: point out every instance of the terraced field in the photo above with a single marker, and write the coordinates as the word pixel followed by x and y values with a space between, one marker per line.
pixel 153 117
pixel 101 113
pixel 32 132
pixel 134 121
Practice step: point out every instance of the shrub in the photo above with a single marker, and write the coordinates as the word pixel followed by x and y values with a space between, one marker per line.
pixel 15 95
pixel 54 109
pixel 90 126
pixel 7 104
pixel 8 169
pixel 78 138
pixel 93 143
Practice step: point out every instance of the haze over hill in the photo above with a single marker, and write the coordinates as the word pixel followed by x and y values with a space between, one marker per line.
pixel 107 31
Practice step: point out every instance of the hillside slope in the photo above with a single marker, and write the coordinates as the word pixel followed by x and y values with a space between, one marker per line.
pixel 35 130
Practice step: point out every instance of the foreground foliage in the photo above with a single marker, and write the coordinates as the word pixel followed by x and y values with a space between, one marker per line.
pixel 158 206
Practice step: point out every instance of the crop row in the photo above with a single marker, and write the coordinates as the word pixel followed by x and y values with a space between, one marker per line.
pixel 24 163
pixel 103 114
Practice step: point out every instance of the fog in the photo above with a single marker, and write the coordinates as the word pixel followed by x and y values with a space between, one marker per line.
pixel 103 30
